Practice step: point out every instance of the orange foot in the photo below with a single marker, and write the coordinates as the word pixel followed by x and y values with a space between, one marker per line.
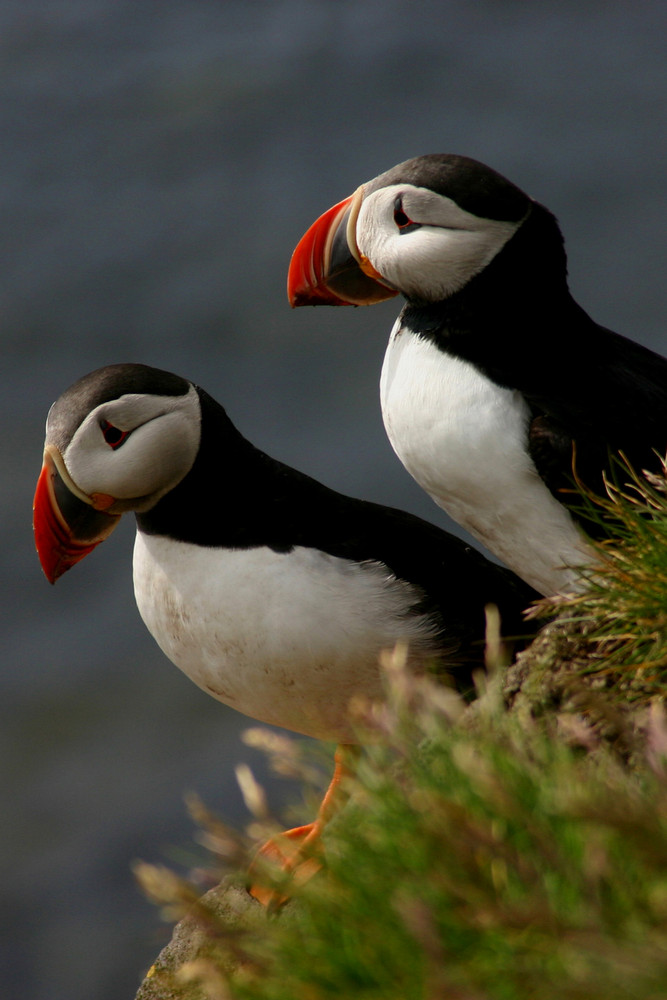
pixel 292 851
pixel 296 851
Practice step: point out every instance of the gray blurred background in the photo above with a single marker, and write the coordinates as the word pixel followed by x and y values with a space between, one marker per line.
pixel 158 162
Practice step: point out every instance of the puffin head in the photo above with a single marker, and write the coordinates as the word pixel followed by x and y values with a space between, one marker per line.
pixel 422 229
pixel 116 441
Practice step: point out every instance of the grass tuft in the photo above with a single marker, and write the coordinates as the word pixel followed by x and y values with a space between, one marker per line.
pixel 473 862
pixel 622 613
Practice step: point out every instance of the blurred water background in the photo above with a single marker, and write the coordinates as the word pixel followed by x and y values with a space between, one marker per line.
pixel 158 162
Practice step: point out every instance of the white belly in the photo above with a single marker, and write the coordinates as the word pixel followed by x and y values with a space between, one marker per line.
pixel 286 638
pixel 463 439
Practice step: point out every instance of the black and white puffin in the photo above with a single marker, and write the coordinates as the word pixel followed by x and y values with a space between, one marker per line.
pixel 272 592
pixel 497 389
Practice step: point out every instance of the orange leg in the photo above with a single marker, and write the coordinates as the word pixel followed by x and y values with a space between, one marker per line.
pixel 295 850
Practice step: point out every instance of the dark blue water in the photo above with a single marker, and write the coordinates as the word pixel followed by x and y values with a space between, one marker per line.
pixel 158 163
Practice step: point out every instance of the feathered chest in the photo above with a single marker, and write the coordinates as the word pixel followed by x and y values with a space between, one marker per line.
pixel 286 638
pixel 464 439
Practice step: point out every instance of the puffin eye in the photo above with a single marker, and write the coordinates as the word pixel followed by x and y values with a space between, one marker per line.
pixel 113 436
pixel 403 221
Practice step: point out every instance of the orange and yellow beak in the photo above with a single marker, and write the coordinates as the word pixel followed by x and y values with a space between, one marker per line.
pixel 327 267
pixel 67 527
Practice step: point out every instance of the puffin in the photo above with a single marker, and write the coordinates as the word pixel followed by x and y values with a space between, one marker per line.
pixel 273 593
pixel 501 397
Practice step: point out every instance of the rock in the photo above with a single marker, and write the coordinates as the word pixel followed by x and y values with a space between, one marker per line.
pixel 208 939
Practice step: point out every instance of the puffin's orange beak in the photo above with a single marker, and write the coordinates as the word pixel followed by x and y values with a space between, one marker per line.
pixel 66 528
pixel 327 267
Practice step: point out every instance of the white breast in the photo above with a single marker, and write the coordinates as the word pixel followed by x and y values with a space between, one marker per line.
pixel 463 438
pixel 286 638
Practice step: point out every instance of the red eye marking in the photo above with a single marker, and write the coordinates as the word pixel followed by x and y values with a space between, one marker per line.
pixel 113 436
pixel 403 221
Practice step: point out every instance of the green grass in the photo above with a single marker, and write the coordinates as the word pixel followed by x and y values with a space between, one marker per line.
pixel 487 853
pixel 622 614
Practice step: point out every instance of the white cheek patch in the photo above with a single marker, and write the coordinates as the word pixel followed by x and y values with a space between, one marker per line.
pixel 441 261
pixel 159 451
pixel 432 262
